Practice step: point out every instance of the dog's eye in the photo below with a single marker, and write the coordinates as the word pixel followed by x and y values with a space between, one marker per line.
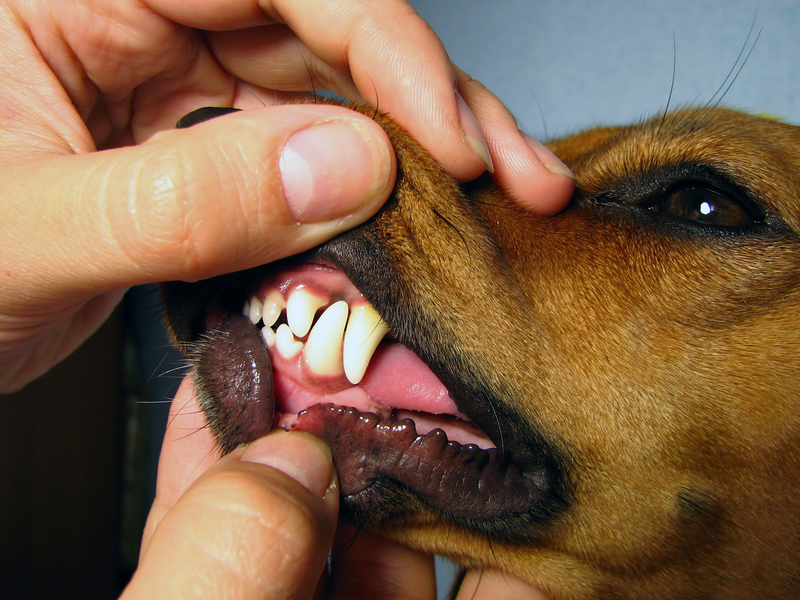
pixel 706 205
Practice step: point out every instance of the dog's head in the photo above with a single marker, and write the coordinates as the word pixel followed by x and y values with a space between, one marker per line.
pixel 604 402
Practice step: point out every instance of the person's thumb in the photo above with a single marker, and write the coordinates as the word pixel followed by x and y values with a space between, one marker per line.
pixel 224 195
pixel 245 530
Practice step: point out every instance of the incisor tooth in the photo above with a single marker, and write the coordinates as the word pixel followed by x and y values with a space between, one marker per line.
pixel 254 311
pixel 323 352
pixel 274 304
pixel 287 346
pixel 269 336
pixel 365 330
pixel 301 307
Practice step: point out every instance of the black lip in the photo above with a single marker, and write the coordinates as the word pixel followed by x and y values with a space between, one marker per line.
pixel 461 481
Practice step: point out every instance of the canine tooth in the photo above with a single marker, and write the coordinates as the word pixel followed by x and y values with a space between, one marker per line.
pixel 269 336
pixel 323 352
pixel 301 307
pixel 274 304
pixel 288 347
pixel 254 312
pixel 365 330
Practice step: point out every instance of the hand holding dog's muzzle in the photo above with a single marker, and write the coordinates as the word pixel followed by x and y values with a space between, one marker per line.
pixel 260 523
pixel 80 225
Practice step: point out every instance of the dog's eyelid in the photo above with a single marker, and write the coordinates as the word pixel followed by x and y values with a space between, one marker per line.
pixel 698 195
pixel 705 204
pixel 693 196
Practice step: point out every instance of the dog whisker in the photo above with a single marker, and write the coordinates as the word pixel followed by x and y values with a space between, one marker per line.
pixel 671 85
pixel 450 224
pixel 700 508
pixel 732 75
pixel 739 71
pixel 148 402
pixel 341 551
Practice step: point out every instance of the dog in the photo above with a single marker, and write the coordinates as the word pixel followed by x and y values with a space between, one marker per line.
pixel 603 402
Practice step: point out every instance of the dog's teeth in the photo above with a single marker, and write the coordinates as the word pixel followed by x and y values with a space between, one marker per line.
pixel 274 304
pixel 286 344
pixel 365 330
pixel 255 309
pixel 301 307
pixel 323 352
pixel 269 336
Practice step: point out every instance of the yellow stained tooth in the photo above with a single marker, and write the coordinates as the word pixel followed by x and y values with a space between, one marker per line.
pixel 287 346
pixel 323 351
pixel 365 330
pixel 255 309
pixel 274 304
pixel 301 307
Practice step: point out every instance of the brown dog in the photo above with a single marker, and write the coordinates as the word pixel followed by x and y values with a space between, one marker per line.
pixel 622 381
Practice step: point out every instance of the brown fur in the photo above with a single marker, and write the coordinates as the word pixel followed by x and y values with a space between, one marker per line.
pixel 656 358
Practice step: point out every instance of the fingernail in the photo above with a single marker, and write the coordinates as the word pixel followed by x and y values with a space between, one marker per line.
pixel 300 455
pixel 333 169
pixel 549 160
pixel 472 133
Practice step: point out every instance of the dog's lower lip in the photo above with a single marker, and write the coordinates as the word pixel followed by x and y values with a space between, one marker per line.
pixel 464 481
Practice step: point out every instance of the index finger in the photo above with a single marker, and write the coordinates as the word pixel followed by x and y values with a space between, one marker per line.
pixel 395 59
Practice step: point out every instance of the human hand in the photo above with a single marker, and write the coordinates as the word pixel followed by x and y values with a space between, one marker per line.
pixel 81 225
pixel 260 523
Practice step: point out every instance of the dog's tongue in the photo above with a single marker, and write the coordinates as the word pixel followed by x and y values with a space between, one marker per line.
pixel 398 378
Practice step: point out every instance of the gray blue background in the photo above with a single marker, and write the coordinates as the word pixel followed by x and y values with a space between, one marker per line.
pixel 574 64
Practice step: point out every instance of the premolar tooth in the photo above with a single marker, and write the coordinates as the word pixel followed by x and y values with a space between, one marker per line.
pixel 301 307
pixel 287 346
pixel 365 330
pixel 255 309
pixel 274 304
pixel 323 352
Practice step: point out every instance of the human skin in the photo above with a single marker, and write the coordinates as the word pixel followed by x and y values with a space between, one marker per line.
pixel 99 192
